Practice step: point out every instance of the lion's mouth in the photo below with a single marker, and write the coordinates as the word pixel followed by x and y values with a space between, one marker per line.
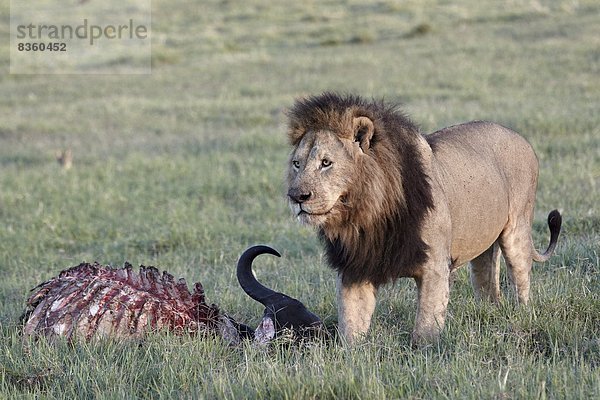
pixel 314 218
pixel 312 214
pixel 306 215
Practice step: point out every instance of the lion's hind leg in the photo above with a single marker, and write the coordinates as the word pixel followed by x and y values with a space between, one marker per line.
pixel 516 247
pixel 485 274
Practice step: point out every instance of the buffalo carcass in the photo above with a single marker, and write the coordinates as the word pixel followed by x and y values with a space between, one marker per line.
pixel 96 301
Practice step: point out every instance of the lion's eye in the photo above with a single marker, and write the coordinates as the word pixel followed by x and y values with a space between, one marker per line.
pixel 296 164
pixel 326 163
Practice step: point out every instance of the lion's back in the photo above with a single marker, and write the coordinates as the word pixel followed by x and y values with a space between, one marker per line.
pixel 483 144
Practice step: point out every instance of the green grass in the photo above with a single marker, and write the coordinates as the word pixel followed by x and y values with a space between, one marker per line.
pixel 184 169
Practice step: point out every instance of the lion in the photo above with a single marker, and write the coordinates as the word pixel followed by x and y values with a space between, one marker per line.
pixel 389 202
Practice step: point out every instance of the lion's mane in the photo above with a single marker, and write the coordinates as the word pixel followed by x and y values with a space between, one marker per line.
pixel 378 236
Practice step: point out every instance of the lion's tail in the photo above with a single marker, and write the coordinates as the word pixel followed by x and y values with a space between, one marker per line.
pixel 554 223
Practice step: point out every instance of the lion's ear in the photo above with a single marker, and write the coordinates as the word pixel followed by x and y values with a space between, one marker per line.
pixel 363 131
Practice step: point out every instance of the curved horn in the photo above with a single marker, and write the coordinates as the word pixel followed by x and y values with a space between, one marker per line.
pixel 246 278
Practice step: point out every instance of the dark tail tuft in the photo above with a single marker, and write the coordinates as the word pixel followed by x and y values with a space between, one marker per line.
pixel 554 224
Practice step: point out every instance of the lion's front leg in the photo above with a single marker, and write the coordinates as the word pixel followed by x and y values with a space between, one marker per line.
pixel 356 304
pixel 433 293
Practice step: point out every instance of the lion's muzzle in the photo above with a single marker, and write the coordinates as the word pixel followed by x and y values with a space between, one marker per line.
pixel 298 195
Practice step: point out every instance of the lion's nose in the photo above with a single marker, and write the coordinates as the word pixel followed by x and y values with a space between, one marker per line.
pixel 298 195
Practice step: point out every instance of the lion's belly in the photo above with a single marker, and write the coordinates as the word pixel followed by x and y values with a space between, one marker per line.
pixel 476 222
pixel 466 246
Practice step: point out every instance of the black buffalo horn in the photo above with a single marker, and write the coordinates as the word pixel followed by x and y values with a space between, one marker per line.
pixel 246 278
pixel 285 311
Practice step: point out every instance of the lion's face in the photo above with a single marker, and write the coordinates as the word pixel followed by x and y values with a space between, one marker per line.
pixel 320 175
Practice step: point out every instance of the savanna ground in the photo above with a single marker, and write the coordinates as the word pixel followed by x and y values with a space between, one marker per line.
pixel 183 169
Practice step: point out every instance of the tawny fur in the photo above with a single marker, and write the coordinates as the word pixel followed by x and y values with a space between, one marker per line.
pixel 389 202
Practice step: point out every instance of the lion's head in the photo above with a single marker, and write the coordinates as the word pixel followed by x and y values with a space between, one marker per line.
pixel 323 169
pixel 340 175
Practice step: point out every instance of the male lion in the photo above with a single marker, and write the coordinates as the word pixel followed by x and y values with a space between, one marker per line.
pixel 389 202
